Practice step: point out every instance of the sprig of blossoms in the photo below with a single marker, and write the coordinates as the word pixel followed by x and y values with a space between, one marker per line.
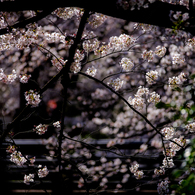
pixel 8 79
pixel 154 97
pixel 116 83
pixel 137 173
pixel 41 129
pixel 32 98
pixel 126 64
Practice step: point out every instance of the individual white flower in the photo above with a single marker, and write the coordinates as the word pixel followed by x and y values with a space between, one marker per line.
pixel 116 83
pixel 91 71
pixel 151 77
pixel 168 132
pixel 43 172
pixel 32 98
pixel 160 51
pixel 28 178
pixel 126 64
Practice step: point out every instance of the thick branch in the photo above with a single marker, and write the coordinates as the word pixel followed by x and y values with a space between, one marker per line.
pixel 156 14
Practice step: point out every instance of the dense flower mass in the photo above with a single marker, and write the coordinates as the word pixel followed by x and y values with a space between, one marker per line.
pixel 116 83
pixel 17 158
pixel 126 64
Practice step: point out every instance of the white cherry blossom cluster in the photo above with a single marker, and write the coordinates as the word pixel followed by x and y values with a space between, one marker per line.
pixel 160 171
pixel 58 63
pixel 90 42
pixel 181 142
pixel 168 132
pixel 191 42
pixel 57 124
pixel 28 178
pixel 41 129
pixel 24 78
pixel 177 59
pixel 8 79
pixel 151 77
pixel 67 13
pixel 123 42
pixel 91 71
pixel 137 173
pixel 148 55
pixel 163 187
pixel 138 101
pixel 42 172
pixel 78 56
pixel 97 20
pixel 17 158
pixel 116 84
pixel 177 80
pixel 154 97
pixel 191 127
pixel 160 51
pixel 32 98
pixel 126 64
pixel 168 162
pixel 75 67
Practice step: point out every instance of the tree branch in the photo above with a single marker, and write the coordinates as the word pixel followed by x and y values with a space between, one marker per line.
pixel 156 14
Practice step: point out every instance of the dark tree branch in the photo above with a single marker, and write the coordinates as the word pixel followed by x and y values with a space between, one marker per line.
pixel 156 14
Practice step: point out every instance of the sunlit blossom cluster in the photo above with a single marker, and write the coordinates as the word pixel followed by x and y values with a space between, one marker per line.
pixel 32 98
pixel 24 78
